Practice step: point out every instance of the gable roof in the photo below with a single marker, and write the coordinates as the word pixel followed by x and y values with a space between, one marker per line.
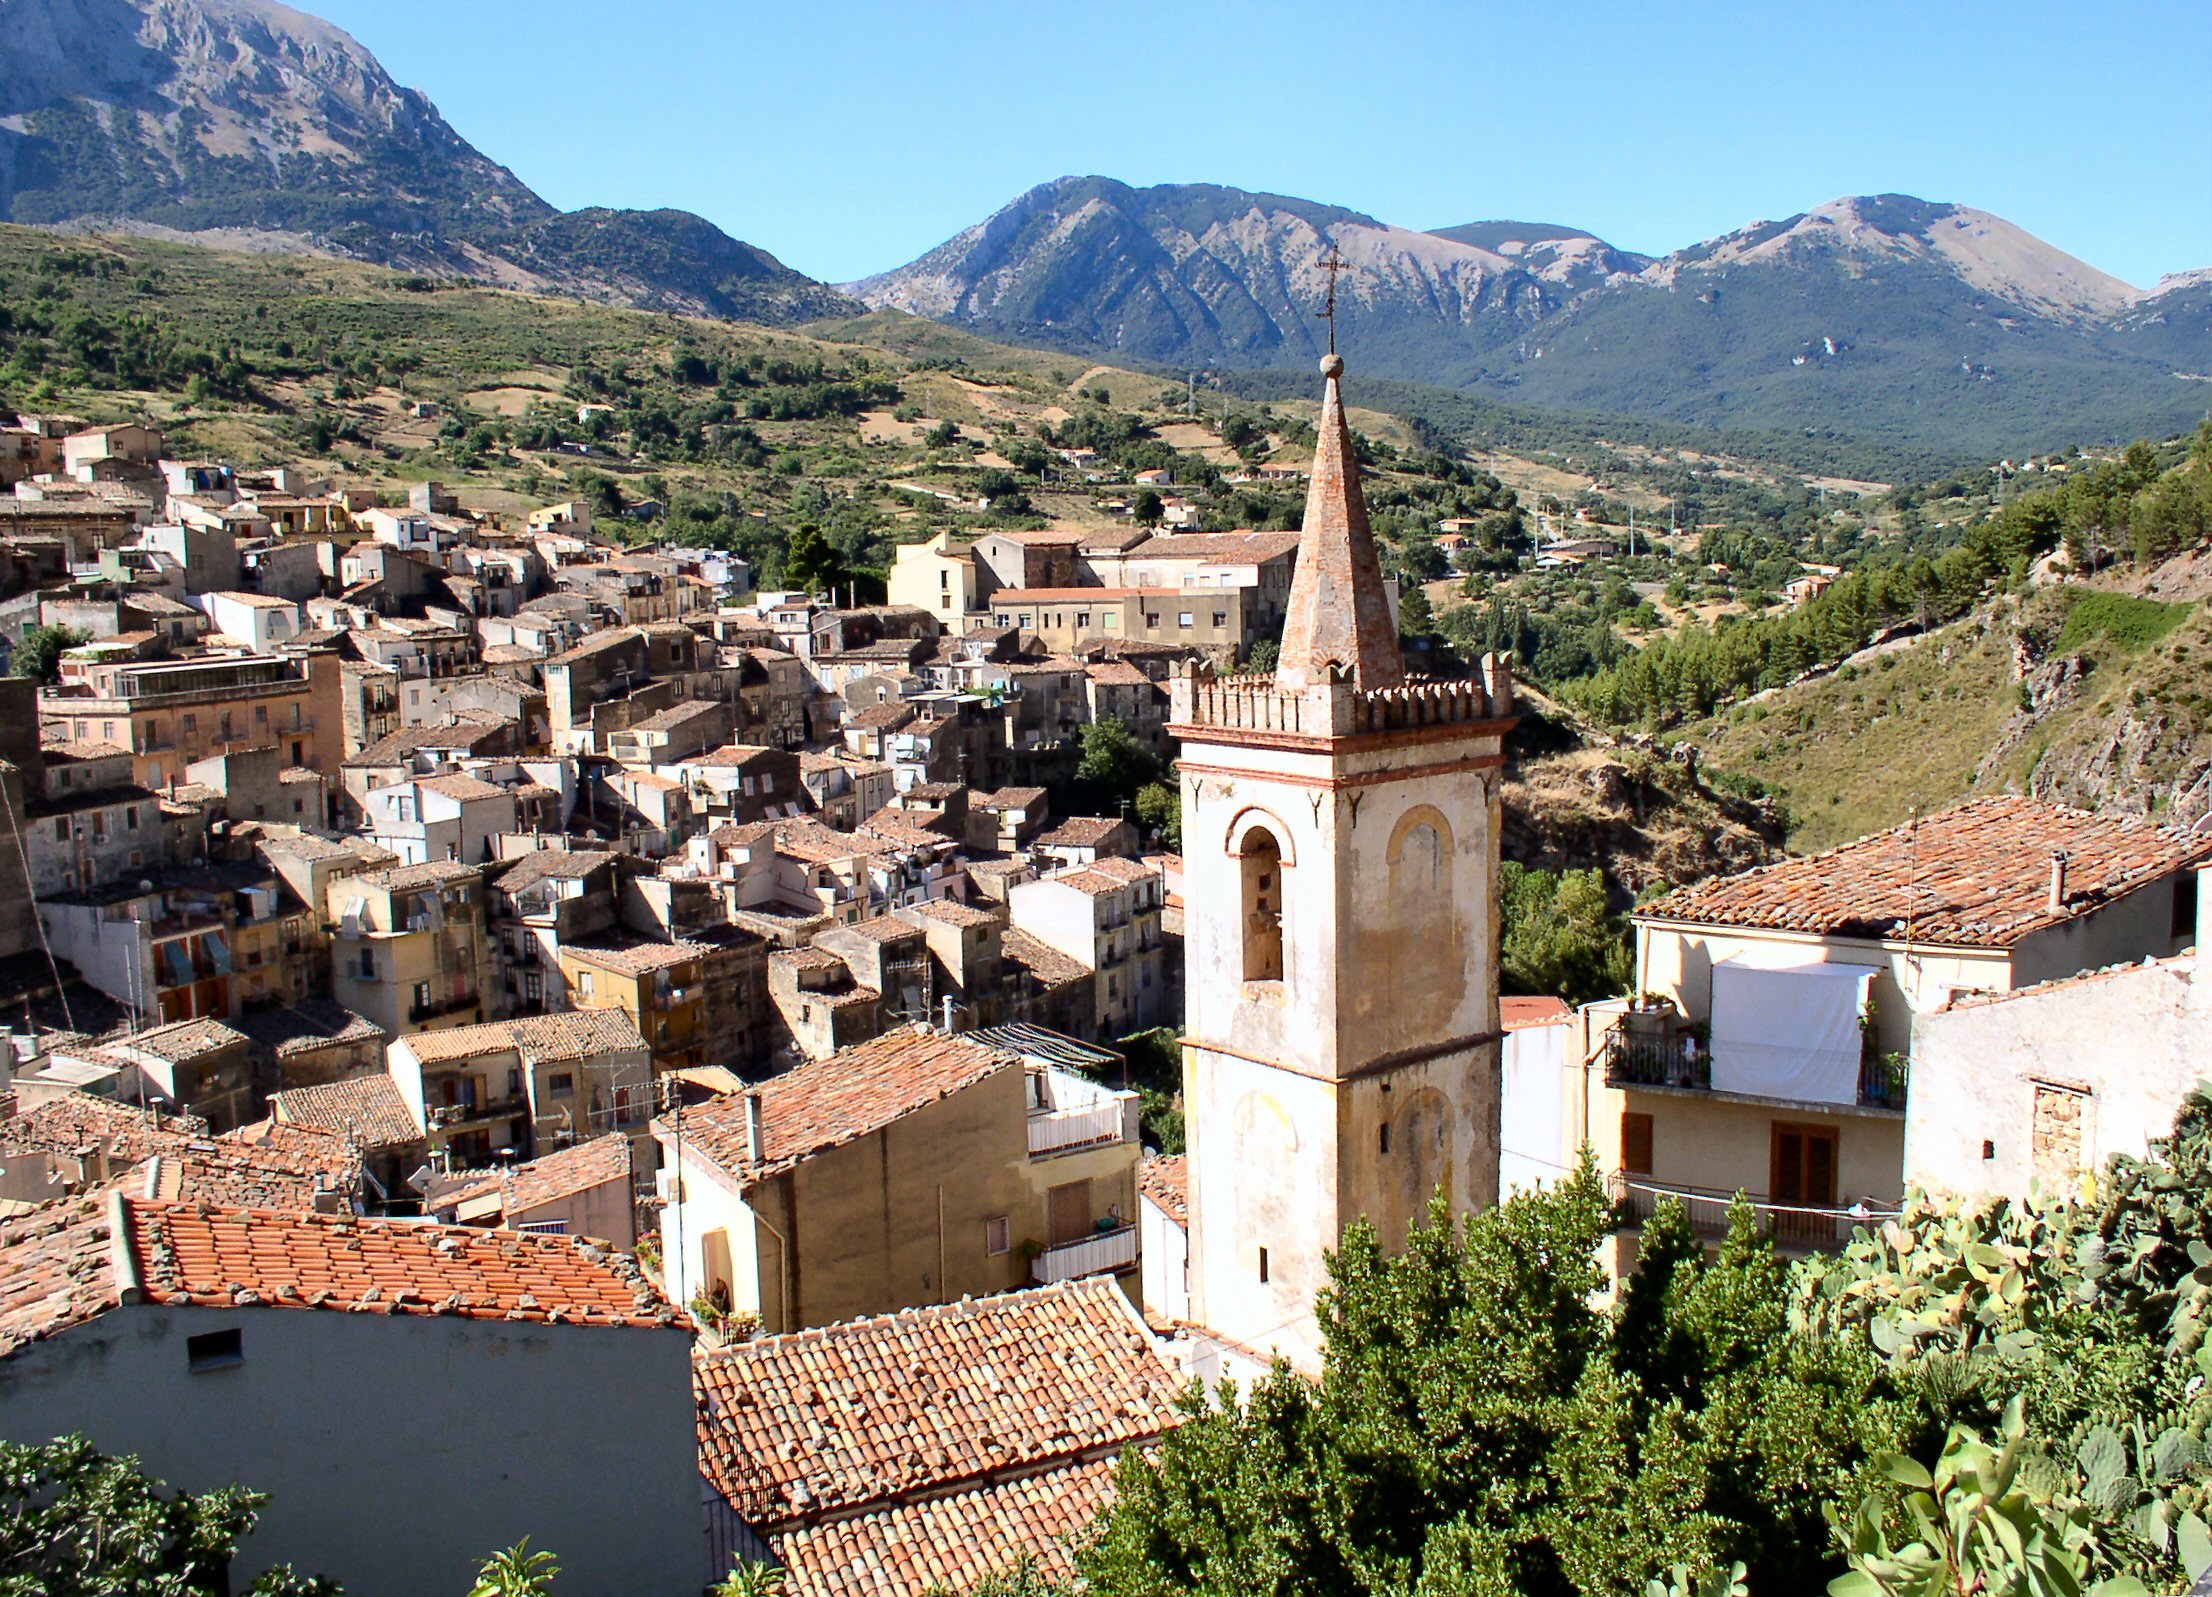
pixel 549 1177
pixel 1977 875
pixel 826 1103
pixel 199 1253
pixel 370 1109
pixel 1165 1179
pixel 569 1034
pixel 820 1422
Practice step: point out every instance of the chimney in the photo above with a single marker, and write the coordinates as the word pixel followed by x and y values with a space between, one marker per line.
pixel 2058 881
pixel 756 1129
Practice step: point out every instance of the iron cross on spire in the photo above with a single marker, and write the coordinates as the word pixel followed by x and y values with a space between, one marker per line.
pixel 1334 264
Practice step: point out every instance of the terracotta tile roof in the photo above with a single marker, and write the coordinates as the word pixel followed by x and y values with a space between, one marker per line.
pixel 1083 831
pixel 954 913
pixel 1047 964
pixel 1089 882
pixel 1008 798
pixel 1165 1179
pixel 268 1166
pixel 184 1040
pixel 571 1034
pixel 639 959
pixel 881 717
pixel 1217 546
pixel 735 756
pixel 884 929
pixel 827 1103
pixel 309 1026
pixel 220 1257
pixel 459 785
pixel 550 1177
pixel 1041 535
pixel 546 864
pixel 952 1541
pixel 1977 875
pixel 1126 870
pixel 896 826
pixel 1119 674
pixel 822 845
pixel 54 1269
pixel 76 1120
pixel 1515 1013
pixel 409 878
pixel 817 1423
pixel 369 1109
pixel 1006 596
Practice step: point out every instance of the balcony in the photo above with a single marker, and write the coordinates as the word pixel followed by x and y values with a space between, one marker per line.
pixel 449 1006
pixel 1670 1059
pixel 1052 1130
pixel 1794 1227
pixel 1678 1060
pixel 1094 1255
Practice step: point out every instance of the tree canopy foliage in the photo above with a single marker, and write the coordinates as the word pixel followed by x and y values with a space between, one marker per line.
pixel 2010 1398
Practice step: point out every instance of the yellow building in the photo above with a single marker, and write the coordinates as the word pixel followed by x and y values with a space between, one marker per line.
pixel 936 577
pixel 917 1168
pixel 411 952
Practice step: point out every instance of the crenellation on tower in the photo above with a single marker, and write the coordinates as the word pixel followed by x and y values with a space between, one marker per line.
pixel 1340 825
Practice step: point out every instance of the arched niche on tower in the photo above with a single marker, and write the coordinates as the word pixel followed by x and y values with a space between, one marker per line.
pixel 1419 1160
pixel 1420 851
pixel 1261 846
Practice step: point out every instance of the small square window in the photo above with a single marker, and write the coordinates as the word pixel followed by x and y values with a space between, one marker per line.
pixel 215 1350
pixel 561 1084
pixel 998 1236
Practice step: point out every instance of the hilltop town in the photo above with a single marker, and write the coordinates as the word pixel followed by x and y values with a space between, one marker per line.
pixel 432 934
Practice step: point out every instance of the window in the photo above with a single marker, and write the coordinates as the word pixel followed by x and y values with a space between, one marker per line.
pixel 1383 1138
pixel 214 1350
pixel 298 749
pixel 99 826
pixel 533 987
pixel 261 713
pixel 583 983
pixel 1184 620
pixel 1636 1144
pixel 1068 1211
pixel 368 965
pixel 61 829
pixel 1263 1266
pixel 1221 618
pixel 226 734
pixel 2055 1133
pixel 130 818
pixel 1263 906
pixel 998 1236
pixel 2185 906
pixel 191 724
pixel 561 1084
pixel 1804 1165
pixel 422 995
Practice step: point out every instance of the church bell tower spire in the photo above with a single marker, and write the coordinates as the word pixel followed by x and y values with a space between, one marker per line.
pixel 1338 626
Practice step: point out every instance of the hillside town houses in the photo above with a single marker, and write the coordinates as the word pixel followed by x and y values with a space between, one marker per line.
pixel 428 935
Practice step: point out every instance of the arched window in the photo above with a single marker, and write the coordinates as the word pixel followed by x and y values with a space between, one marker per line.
pixel 1262 859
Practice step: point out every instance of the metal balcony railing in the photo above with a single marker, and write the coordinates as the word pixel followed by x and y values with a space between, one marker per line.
pixel 1797 1226
pixel 1092 1255
pixel 1883 1082
pixel 1672 1060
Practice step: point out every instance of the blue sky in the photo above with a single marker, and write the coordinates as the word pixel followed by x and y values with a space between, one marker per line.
pixel 849 137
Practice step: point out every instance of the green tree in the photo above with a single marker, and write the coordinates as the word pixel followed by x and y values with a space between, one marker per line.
pixel 1160 808
pixel 516 1572
pixel 1416 616
pixel 39 654
pixel 1264 655
pixel 74 1523
pixel 1147 509
pixel 1559 936
pixel 813 564
pixel 1112 768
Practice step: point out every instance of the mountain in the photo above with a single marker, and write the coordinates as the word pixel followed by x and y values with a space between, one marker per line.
pixel 247 118
pixel 1871 316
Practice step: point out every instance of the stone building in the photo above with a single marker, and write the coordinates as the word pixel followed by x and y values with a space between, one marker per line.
pixel 1340 863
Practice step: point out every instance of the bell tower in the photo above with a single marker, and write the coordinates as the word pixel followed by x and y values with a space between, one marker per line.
pixel 1340 835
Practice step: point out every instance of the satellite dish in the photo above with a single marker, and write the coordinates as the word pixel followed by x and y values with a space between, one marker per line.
pixel 420 1180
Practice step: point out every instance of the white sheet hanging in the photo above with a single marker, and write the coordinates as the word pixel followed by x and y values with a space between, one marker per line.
pixel 1789 1033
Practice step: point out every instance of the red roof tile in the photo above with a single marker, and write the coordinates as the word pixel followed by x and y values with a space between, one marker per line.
pixel 1165 1179
pixel 370 1109
pixel 198 1253
pixel 1515 1012
pixel 821 1422
pixel 1977 875
pixel 951 1542
pixel 827 1103
pixel 54 1269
